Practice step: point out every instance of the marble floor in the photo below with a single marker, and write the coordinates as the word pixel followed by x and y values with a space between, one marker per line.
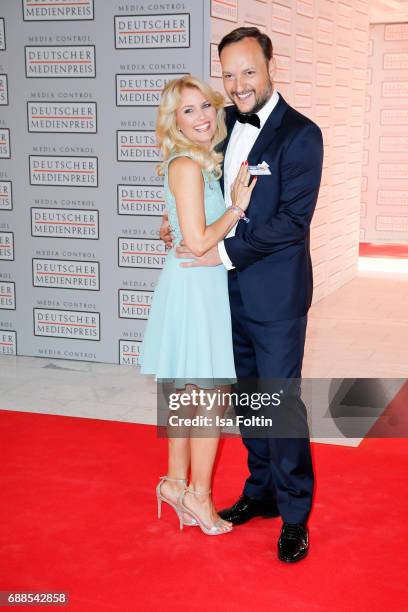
pixel 359 331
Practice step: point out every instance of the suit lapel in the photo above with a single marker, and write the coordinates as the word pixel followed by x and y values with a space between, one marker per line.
pixel 265 137
pixel 267 132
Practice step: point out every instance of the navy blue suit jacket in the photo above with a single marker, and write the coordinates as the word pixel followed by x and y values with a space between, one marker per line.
pixel 271 253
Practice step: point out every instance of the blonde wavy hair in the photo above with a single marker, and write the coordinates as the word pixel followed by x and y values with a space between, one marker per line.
pixel 171 140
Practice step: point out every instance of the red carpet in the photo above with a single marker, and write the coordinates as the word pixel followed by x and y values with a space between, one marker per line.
pixel 78 514
pixel 394 251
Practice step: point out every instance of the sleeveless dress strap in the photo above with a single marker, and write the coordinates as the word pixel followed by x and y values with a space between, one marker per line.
pixel 205 174
pixel 180 154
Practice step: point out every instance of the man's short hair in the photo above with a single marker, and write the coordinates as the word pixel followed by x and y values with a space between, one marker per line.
pixel 241 33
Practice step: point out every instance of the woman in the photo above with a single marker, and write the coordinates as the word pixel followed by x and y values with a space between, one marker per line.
pixel 188 337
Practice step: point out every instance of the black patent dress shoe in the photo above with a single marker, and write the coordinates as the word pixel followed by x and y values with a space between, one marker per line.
pixel 247 508
pixel 293 543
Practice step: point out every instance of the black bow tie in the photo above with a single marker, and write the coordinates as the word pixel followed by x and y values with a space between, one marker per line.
pixel 251 118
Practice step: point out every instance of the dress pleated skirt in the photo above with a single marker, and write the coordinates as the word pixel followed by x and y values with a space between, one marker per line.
pixel 188 337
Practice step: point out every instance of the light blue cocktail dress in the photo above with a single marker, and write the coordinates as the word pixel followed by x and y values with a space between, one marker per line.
pixel 188 335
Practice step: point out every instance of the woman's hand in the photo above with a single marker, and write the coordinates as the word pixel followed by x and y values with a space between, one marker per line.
pixel 240 190
pixel 166 232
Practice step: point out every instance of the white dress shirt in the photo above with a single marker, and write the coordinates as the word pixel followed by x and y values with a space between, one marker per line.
pixel 242 140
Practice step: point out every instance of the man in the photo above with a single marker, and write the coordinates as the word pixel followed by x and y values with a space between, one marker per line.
pixel 270 272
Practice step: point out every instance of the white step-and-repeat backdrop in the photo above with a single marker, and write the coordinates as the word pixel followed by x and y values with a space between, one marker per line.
pixel 80 200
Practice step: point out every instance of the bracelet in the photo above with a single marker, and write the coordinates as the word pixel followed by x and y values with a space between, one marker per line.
pixel 237 210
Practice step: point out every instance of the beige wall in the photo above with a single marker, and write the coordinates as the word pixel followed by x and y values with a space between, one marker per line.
pixel 384 195
pixel 321 48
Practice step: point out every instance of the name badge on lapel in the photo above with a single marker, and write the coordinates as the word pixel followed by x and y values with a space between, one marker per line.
pixel 260 169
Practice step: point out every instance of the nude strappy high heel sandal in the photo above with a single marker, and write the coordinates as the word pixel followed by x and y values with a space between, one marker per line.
pixel 218 528
pixel 161 498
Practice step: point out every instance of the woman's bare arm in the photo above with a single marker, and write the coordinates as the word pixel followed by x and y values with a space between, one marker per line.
pixel 187 185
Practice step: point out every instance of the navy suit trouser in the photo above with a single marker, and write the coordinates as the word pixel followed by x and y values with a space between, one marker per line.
pixel 280 466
